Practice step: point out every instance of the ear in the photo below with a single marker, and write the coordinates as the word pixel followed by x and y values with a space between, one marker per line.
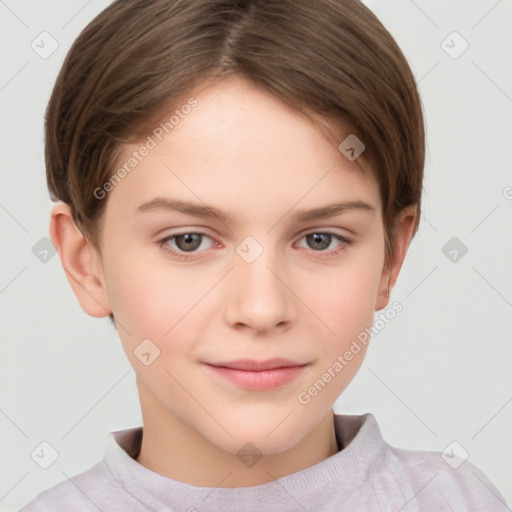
pixel 402 236
pixel 80 261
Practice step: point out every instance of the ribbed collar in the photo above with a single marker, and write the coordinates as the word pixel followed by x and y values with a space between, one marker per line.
pixel 360 437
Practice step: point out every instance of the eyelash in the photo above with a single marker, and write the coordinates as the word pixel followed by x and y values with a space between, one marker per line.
pixel 342 247
pixel 180 255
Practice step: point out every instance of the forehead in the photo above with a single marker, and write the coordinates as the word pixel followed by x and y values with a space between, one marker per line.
pixel 240 142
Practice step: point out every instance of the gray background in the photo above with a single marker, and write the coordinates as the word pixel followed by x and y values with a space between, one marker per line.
pixel 438 373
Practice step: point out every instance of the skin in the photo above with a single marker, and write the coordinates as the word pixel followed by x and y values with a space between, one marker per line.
pixel 245 153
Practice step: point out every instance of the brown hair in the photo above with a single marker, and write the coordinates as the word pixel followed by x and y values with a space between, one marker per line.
pixel 132 64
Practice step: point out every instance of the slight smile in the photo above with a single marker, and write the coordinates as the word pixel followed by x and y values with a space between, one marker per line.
pixel 258 375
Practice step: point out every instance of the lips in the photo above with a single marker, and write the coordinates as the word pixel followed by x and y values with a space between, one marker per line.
pixel 258 366
pixel 257 375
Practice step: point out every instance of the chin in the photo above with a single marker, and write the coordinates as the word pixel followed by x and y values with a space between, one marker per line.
pixel 268 436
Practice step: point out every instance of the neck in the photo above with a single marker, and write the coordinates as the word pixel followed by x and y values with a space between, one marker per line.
pixel 173 449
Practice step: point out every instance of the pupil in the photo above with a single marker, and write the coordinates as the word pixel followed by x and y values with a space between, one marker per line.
pixel 189 241
pixel 318 240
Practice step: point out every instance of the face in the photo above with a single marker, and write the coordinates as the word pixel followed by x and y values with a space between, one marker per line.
pixel 227 242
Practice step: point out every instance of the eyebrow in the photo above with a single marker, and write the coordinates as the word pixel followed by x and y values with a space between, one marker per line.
pixel 332 209
pixel 195 209
pixel 203 210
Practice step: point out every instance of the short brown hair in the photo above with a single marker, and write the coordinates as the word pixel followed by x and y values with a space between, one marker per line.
pixel 132 63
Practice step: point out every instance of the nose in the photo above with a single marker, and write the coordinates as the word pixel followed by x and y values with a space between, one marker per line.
pixel 258 297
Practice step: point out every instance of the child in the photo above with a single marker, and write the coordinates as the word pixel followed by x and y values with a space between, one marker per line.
pixel 238 185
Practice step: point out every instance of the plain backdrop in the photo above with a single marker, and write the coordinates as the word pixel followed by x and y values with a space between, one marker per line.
pixel 439 372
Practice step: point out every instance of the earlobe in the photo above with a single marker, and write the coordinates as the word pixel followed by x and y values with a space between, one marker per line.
pixel 403 231
pixel 78 260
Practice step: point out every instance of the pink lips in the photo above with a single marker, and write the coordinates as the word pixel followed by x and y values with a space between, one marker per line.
pixel 258 375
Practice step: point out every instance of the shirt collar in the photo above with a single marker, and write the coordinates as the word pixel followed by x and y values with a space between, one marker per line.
pixel 360 437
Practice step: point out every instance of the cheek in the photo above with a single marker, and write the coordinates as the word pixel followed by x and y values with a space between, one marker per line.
pixel 147 295
pixel 345 300
pixel 156 307
pixel 345 304
pixel 160 302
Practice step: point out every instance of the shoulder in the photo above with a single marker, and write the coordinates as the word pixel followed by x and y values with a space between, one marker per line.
pixel 427 477
pixel 93 490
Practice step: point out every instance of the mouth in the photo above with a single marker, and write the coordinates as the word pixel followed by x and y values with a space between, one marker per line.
pixel 258 375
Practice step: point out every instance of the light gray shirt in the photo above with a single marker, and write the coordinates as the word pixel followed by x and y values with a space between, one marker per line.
pixel 367 475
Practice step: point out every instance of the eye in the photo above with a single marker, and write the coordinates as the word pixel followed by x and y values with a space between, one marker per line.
pixel 186 242
pixel 324 242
